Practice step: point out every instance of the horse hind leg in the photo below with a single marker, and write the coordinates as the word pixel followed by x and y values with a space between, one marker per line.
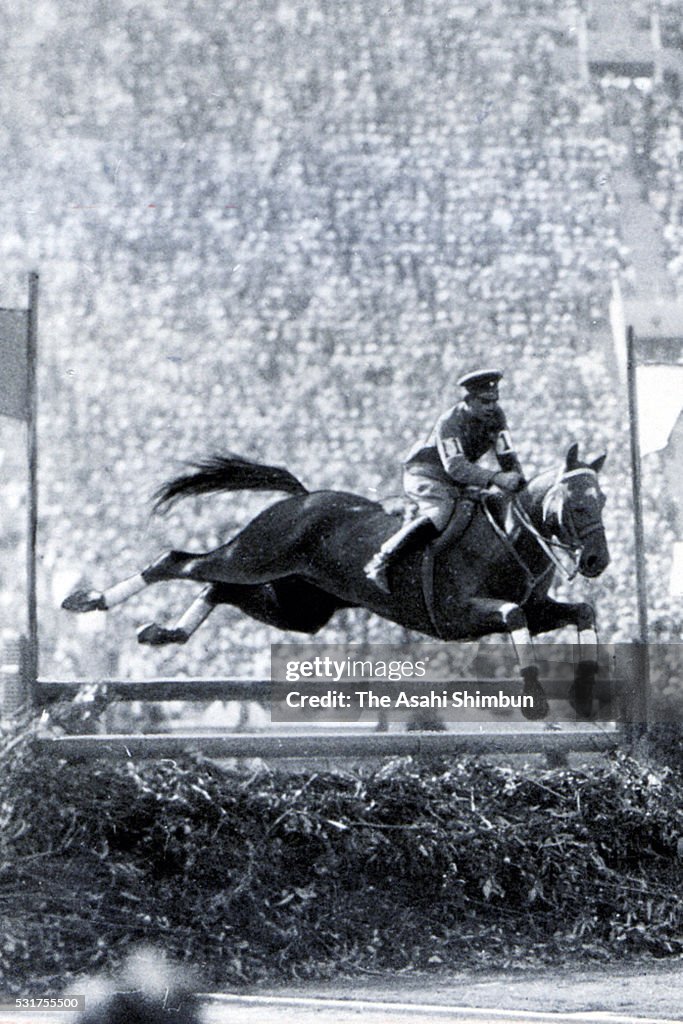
pixel 291 604
pixel 168 567
pixel 187 625
pixel 261 602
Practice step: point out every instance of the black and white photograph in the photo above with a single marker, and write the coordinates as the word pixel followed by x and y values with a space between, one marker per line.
pixel 341 556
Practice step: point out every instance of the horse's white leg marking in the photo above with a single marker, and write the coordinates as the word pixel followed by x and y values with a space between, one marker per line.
pixel 588 645
pixel 198 612
pixel 122 591
pixel 524 648
pixel 521 639
pixel 526 658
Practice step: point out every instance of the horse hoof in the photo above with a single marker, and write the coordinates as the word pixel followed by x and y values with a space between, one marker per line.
pixel 157 636
pixel 85 601
pixel 581 698
pixel 427 725
pixel 540 706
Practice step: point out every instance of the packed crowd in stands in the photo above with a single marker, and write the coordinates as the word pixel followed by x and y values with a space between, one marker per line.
pixel 659 119
pixel 284 229
pixel 652 111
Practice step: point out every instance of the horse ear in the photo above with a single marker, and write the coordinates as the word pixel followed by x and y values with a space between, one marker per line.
pixel 573 456
pixel 598 463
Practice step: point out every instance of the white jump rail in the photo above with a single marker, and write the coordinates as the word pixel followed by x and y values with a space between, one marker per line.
pixel 363 745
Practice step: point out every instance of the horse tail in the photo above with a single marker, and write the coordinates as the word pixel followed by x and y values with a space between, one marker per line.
pixel 227 472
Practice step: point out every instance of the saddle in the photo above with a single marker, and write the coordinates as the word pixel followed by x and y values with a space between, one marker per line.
pixel 466 501
pixel 497 503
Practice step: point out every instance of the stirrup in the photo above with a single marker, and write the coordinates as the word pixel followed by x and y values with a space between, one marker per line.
pixel 376 570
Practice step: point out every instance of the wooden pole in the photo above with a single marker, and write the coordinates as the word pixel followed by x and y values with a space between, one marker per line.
pixel 640 712
pixel 197 689
pixel 656 40
pixel 32 501
pixel 321 744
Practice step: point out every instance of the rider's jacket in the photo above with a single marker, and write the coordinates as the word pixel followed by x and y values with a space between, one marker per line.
pixel 458 440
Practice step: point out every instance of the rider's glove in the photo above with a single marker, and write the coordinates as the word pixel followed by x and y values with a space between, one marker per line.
pixel 509 481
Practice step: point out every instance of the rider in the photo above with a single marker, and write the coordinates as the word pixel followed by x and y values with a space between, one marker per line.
pixel 437 471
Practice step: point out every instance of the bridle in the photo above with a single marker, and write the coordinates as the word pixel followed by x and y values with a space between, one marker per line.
pixel 554 503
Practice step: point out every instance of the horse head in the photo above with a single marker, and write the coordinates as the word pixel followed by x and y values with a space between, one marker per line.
pixel 571 512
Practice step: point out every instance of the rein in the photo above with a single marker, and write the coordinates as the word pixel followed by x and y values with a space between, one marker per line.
pixel 533 579
pixel 548 544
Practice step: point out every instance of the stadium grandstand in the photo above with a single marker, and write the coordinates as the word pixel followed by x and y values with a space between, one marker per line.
pixel 285 228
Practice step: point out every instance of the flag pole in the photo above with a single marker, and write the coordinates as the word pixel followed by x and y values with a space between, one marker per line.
pixel 643 660
pixel 31 667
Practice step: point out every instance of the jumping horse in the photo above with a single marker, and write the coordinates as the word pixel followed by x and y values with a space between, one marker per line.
pixel 301 560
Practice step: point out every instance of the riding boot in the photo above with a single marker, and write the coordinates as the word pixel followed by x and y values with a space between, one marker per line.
pixel 376 569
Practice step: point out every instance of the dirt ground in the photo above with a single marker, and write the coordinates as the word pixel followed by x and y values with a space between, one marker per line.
pixel 616 994
pixel 649 989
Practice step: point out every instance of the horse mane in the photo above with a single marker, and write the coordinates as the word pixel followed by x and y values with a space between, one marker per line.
pixel 227 472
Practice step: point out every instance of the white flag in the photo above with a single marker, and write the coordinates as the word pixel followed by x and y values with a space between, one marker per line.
pixel 660 401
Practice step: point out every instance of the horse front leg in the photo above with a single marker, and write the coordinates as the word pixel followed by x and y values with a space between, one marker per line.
pixel 490 616
pixel 547 615
pixel 586 668
pixel 169 566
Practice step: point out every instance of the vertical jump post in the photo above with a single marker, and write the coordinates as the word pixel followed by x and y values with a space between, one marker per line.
pixel 639 708
pixel 30 667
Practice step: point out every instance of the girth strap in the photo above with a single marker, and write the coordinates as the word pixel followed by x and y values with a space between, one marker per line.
pixel 461 519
